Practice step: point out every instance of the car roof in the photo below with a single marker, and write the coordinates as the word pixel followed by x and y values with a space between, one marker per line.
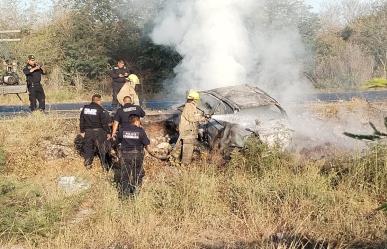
pixel 243 96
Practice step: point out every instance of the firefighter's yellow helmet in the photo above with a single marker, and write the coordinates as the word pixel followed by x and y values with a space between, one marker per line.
pixel 194 95
pixel 133 79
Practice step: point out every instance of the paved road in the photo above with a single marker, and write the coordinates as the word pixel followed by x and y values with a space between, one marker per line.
pixel 72 109
pixel 372 96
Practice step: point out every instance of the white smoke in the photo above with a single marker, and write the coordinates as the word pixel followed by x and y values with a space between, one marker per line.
pixel 229 42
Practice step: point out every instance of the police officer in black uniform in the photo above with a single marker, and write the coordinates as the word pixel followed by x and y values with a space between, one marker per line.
pixel 119 75
pixel 123 113
pixel 94 126
pixel 34 72
pixel 133 140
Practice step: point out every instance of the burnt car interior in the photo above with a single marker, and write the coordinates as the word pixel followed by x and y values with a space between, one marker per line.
pixel 239 108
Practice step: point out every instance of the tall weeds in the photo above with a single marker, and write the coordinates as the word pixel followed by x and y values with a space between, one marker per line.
pixel 263 198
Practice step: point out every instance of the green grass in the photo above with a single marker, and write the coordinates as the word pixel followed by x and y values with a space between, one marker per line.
pixel 27 212
pixel 375 83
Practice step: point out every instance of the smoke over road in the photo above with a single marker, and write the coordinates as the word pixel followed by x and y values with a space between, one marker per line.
pixel 228 42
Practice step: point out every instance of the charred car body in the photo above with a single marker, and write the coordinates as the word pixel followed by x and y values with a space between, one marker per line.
pixel 237 113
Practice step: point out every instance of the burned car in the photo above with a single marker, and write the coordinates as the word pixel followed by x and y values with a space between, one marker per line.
pixel 238 112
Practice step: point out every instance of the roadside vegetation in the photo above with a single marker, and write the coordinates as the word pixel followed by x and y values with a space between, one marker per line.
pixel 262 198
pixel 56 95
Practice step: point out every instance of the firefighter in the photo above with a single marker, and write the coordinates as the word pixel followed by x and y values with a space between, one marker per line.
pixel 123 113
pixel 188 128
pixel 94 126
pixel 130 88
pixel 135 84
pixel 119 75
pixel 34 72
pixel 133 140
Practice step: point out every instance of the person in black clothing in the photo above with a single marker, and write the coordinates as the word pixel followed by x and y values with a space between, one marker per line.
pixel 133 140
pixel 119 75
pixel 123 113
pixel 34 72
pixel 94 126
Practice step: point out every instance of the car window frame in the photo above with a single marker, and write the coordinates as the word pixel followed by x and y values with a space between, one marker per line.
pixel 221 101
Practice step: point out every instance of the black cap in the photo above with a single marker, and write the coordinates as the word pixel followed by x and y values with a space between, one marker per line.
pixel 31 57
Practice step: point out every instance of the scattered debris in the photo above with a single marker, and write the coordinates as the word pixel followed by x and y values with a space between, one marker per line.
pixel 161 147
pixel 57 148
pixel 72 184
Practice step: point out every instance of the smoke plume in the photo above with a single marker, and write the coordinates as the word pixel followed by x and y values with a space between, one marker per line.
pixel 229 42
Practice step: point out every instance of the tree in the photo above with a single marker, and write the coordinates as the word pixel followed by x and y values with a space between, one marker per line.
pixel 370 32
pixel 10 16
pixel 338 14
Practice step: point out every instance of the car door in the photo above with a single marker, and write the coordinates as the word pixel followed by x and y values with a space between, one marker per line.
pixel 212 105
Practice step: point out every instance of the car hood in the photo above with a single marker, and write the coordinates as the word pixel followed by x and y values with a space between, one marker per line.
pixel 272 128
pixel 243 96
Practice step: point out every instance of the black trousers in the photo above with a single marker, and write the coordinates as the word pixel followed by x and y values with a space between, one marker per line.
pixel 116 89
pixel 95 141
pixel 131 172
pixel 36 93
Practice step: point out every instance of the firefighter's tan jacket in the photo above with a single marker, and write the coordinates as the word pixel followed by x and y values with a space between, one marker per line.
pixel 189 121
pixel 128 90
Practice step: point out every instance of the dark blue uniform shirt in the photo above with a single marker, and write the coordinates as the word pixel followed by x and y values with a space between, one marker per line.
pixel 123 113
pixel 116 72
pixel 33 78
pixel 93 116
pixel 132 137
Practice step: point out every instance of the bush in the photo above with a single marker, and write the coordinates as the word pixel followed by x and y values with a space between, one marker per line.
pixel 375 83
pixel 258 157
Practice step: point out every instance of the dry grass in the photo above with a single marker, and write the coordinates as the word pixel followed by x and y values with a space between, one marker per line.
pixel 263 199
pixel 55 95
pixel 360 108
